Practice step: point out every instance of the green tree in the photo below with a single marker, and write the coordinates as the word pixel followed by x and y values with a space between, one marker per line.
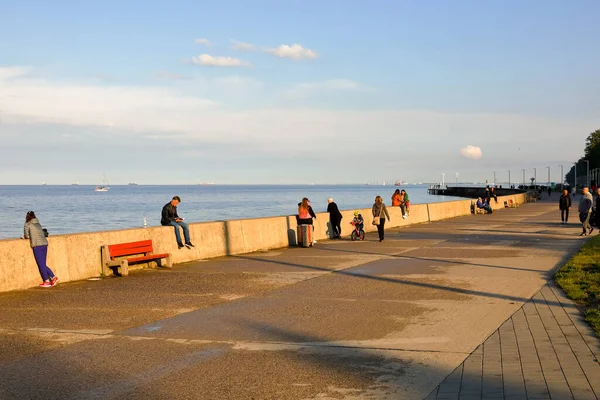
pixel 592 154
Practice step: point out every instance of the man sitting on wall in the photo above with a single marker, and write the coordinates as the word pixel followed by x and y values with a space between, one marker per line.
pixel 170 218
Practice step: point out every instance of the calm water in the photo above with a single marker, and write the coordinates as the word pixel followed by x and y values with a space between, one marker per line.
pixel 70 209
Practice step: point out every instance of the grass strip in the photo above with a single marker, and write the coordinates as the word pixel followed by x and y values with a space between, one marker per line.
pixel 580 279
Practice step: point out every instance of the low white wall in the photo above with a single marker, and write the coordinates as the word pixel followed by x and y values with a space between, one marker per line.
pixel 77 256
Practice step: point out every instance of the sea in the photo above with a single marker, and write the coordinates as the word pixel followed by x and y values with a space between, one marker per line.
pixel 78 208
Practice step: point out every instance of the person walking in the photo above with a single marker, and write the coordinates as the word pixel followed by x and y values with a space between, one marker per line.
pixel 335 217
pixel 564 205
pixel 585 211
pixel 33 231
pixel 170 218
pixel 380 211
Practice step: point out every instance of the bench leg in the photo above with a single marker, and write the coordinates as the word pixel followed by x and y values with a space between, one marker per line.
pixel 104 260
pixel 169 262
pixel 124 268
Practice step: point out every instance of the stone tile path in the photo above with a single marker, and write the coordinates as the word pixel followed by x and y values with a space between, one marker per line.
pixel 543 351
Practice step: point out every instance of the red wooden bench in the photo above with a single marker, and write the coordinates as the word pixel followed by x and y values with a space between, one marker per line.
pixel 142 250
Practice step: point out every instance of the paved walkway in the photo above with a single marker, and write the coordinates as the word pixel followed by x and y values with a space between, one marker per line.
pixel 343 320
pixel 543 351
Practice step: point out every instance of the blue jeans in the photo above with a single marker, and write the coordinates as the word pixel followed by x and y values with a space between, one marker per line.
pixel 186 231
pixel 40 253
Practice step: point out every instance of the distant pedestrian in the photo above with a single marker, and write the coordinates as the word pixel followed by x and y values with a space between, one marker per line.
pixel 306 214
pixel 549 191
pixel 597 209
pixel 379 213
pixel 585 211
pixel 564 205
pixel 170 218
pixel 335 217
pixel 493 194
pixel 404 203
pixel 484 205
pixel 396 198
pixel 39 244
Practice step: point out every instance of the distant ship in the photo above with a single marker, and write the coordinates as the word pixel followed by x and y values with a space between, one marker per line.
pixel 133 183
pixel 399 183
pixel 75 184
pixel 206 183
pixel 43 183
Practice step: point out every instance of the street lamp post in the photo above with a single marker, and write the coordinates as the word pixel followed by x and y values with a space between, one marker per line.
pixel 523 169
pixel 562 179
pixel 509 178
pixel 494 178
pixel 534 178
pixel 587 174
pixel 443 178
pixel 457 178
pixel 575 177
pixel 548 176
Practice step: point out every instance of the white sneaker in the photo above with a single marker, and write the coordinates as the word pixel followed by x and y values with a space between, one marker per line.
pixel 314 241
pixel 404 216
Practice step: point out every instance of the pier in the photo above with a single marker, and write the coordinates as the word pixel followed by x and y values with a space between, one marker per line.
pixel 471 192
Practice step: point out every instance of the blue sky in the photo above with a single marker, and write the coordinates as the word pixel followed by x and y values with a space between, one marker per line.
pixel 293 91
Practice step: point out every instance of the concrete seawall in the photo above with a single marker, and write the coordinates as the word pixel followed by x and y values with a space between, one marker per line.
pixel 77 256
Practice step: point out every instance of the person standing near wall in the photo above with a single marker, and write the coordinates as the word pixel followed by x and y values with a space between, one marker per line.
pixel 39 244
pixel 335 217
pixel 564 205
pixel 380 212
pixel 585 211
pixel 306 214
pixel 169 217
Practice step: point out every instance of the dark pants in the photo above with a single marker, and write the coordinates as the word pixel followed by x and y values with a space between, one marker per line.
pixel 403 208
pixel 186 231
pixel 336 225
pixel 564 215
pixel 380 228
pixel 40 253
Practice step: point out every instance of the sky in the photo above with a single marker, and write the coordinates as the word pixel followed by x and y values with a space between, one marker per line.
pixel 286 92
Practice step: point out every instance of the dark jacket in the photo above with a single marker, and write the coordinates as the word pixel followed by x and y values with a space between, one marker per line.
pixel 564 202
pixel 169 214
pixel 334 212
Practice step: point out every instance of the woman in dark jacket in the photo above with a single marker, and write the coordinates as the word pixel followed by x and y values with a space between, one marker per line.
pixel 39 244
pixel 564 204
pixel 335 217
pixel 379 210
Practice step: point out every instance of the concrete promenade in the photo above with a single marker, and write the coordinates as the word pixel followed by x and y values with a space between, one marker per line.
pixel 437 310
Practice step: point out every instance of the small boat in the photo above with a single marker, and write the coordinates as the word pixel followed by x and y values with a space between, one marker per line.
pixel 75 184
pixel 44 184
pixel 104 187
pixel 132 183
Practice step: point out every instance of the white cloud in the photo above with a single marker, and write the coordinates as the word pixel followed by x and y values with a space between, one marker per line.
pixel 302 90
pixel 203 41
pixel 176 117
pixel 471 152
pixel 13 72
pixel 217 61
pixel 295 51
pixel 241 46
pixel 172 76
